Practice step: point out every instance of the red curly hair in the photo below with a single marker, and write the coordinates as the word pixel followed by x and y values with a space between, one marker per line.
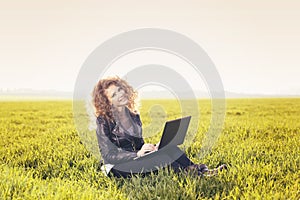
pixel 100 101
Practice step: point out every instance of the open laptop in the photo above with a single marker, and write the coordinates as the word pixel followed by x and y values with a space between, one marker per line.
pixel 173 134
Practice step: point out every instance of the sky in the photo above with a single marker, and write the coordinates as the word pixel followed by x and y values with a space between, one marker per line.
pixel 254 44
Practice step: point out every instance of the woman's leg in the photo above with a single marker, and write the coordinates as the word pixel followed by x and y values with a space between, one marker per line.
pixel 179 157
pixel 143 165
pixel 122 174
pixel 119 174
pixel 172 157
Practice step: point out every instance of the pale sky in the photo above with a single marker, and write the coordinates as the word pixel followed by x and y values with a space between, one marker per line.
pixel 254 44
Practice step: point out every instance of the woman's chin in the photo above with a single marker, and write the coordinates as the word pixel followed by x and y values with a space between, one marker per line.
pixel 124 103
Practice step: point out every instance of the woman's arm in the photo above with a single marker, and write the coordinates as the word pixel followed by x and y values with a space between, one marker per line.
pixel 109 151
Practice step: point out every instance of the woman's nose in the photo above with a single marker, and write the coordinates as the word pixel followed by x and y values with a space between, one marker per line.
pixel 121 92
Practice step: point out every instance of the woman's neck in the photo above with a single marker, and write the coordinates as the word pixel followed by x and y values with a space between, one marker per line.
pixel 120 112
pixel 122 117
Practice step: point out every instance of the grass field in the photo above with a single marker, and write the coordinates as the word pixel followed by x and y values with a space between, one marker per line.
pixel 42 156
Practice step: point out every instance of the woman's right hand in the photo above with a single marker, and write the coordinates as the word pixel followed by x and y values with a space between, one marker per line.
pixel 146 148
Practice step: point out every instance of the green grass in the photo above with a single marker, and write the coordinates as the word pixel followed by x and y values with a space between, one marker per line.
pixel 42 156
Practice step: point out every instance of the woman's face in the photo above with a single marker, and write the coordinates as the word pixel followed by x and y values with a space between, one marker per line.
pixel 116 96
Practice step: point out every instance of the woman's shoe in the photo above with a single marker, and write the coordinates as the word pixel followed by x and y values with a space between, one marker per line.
pixel 196 169
pixel 215 171
pixel 202 168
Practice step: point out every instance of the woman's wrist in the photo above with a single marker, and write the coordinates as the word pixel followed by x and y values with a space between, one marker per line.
pixel 139 153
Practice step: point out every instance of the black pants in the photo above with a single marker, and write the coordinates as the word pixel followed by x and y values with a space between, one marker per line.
pixel 172 158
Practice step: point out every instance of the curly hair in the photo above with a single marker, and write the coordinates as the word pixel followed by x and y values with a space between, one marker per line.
pixel 100 101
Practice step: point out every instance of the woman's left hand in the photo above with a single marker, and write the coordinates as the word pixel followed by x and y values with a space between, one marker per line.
pixel 145 148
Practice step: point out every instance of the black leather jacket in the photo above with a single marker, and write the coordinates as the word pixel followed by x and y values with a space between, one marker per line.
pixel 115 148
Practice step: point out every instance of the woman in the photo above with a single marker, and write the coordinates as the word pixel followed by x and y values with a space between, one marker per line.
pixel 119 134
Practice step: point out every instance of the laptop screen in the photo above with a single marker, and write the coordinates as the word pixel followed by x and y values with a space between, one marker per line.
pixel 174 132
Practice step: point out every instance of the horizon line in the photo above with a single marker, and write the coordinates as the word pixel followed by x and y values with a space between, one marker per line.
pixel 60 93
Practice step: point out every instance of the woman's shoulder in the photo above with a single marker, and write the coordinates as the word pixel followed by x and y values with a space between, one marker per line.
pixel 134 114
pixel 137 117
pixel 104 121
pixel 101 120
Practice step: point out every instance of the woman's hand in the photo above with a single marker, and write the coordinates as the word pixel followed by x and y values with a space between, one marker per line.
pixel 146 148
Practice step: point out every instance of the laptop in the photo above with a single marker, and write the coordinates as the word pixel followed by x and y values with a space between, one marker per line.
pixel 173 134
